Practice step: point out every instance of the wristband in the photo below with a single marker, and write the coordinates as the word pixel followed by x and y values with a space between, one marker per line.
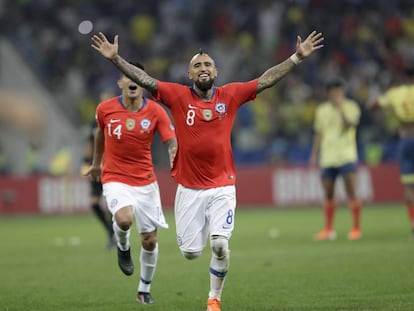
pixel 295 59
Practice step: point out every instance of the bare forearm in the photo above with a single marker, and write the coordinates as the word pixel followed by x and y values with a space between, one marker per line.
pixel 172 147
pixel 347 123
pixel 88 153
pixel 98 148
pixel 172 150
pixel 136 74
pixel 273 75
pixel 373 104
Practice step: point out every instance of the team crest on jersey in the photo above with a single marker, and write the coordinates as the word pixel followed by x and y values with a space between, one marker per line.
pixel 145 124
pixel 207 114
pixel 179 240
pixel 113 203
pixel 130 124
pixel 221 108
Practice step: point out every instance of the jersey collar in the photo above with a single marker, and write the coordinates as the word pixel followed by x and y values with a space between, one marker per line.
pixel 144 102
pixel 212 94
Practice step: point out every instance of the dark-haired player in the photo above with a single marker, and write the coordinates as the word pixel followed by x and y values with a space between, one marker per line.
pixel 335 150
pixel 126 127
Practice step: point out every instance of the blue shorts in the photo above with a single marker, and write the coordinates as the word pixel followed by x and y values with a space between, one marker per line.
pixel 333 172
pixel 406 160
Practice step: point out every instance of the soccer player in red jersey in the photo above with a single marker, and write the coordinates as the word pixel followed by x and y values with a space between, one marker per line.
pixel 204 169
pixel 122 147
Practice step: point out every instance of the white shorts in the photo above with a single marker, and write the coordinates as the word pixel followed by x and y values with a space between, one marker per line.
pixel 203 212
pixel 145 202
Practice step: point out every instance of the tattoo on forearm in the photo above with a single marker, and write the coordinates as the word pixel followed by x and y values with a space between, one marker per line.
pixel 172 149
pixel 172 144
pixel 137 75
pixel 273 75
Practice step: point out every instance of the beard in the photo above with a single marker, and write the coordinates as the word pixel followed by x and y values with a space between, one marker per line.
pixel 204 86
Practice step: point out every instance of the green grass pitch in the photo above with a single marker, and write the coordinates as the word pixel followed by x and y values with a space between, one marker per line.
pixel 60 263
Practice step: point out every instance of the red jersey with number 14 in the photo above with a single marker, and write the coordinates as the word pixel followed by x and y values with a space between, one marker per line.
pixel 128 139
pixel 204 158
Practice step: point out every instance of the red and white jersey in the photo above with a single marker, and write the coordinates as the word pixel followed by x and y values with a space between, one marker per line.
pixel 204 158
pixel 128 139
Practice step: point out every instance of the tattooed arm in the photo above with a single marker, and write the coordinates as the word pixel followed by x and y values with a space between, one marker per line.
pixel 110 52
pixel 274 75
pixel 303 50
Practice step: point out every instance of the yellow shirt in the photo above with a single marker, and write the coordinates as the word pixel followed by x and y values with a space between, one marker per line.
pixel 338 144
pixel 401 100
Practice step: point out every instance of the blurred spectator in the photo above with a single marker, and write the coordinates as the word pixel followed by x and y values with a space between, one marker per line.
pixel 32 161
pixel 367 42
pixel 60 164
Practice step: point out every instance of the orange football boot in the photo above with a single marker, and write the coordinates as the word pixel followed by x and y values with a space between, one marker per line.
pixel 213 305
pixel 354 234
pixel 325 235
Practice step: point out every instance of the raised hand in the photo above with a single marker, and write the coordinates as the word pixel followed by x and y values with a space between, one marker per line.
pixel 311 43
pixel 102 45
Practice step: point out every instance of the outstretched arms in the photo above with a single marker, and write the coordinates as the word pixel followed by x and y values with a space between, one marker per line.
pixel 303 49
pixel 273 75
pixel 110 51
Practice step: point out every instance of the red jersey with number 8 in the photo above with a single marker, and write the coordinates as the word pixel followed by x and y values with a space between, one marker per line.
pixel 204 158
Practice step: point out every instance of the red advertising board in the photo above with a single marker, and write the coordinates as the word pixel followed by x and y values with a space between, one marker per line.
pixel 284 186
pixel 278 186
pixel 386 183
pixel 18 195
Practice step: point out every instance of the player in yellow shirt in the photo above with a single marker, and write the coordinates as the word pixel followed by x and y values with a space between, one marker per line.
pixel 400 99
pixel 335 150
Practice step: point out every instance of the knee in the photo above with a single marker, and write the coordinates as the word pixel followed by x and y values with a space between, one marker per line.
pixel 190 255
pixel 124 218
pixel 219 246
pixel 124 222
pixel 149 241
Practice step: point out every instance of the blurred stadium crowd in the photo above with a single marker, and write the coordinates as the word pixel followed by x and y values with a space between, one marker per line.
pixel 368 43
